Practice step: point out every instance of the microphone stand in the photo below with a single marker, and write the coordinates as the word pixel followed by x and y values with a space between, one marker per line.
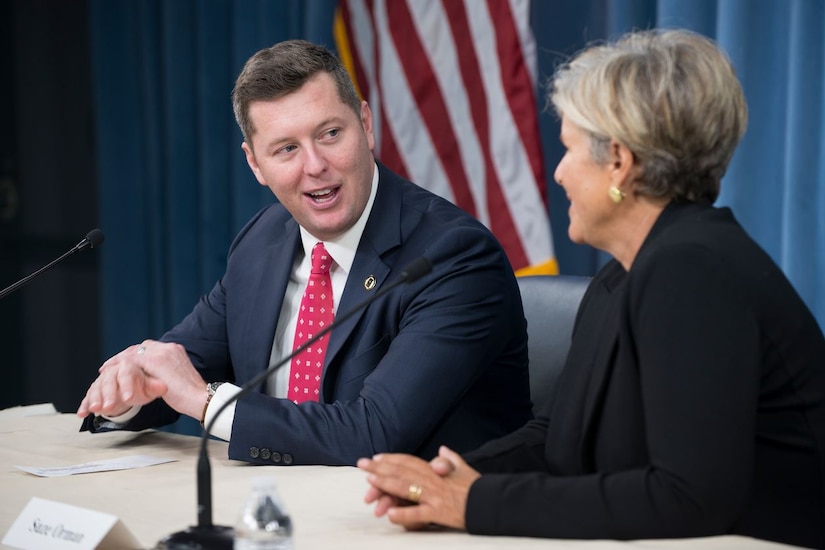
pixel 206 535
pixel 94 238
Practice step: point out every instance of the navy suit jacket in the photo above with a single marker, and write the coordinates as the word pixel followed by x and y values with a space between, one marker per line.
pixel 442 360
pixel 692 403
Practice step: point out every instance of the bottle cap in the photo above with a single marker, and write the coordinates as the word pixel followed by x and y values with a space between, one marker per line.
pixel 264 482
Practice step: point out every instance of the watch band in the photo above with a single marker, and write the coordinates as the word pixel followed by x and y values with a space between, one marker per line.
pixel 211 388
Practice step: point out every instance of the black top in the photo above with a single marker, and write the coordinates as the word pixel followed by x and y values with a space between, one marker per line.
pixel 692 404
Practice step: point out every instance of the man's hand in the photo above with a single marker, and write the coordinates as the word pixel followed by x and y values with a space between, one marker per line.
pixel 141 374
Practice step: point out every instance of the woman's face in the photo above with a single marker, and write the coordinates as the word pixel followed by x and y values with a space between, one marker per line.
pixel 586 184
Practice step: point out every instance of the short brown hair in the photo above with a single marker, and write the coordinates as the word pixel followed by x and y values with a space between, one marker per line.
pixel 282 69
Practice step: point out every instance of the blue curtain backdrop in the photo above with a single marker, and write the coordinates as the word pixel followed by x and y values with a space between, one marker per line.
pixel 174 186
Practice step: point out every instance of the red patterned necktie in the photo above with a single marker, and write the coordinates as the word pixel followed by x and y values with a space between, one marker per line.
pixel 315 314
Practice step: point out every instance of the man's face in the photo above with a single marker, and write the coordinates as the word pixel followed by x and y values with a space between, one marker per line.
pixel 315 154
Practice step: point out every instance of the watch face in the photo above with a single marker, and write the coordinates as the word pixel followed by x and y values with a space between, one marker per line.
pixel 212 387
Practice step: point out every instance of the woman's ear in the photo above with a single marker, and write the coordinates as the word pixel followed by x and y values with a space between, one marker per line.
pixel 623 165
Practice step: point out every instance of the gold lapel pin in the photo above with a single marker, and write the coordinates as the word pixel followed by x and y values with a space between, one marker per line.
pixel 369 282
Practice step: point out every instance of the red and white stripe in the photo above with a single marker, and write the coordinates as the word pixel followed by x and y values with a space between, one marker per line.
pixel 452 85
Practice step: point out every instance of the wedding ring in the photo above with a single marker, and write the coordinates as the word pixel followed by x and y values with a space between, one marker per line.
pixel 141 350
pixel 414 493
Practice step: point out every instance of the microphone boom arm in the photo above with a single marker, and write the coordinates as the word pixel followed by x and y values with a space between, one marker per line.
pixel 94 239
pixel 407 275
pixel 207 535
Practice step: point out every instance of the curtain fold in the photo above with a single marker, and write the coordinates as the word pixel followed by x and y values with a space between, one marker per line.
pixel 174 186
pixel 802 248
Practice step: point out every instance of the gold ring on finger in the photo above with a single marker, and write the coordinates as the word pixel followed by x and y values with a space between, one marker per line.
pixel 414 492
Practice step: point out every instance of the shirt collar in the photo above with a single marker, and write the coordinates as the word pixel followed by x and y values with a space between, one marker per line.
pixel 343 248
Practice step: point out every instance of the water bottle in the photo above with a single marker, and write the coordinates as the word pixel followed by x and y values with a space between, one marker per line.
pixel 263 523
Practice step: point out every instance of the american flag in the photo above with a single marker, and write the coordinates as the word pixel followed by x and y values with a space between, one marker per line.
pixel 452 87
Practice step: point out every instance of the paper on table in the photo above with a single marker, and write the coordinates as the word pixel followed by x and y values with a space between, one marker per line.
pixel 122 463
pixel 28 410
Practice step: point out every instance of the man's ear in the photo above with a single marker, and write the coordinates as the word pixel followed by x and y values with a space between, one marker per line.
pixel 253 164
pixel 366 122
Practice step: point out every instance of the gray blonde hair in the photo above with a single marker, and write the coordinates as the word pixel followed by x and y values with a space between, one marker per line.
pixel 671 96
pixel 281 69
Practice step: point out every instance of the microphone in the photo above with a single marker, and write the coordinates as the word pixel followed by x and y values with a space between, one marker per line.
pixel 207 535
pixel 93 239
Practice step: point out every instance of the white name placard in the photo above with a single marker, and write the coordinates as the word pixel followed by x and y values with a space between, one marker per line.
pixel 48 525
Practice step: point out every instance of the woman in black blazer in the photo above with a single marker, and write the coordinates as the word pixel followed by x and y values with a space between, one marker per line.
pixel 693 398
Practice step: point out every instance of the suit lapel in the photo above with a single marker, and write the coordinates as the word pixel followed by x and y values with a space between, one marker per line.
pixel 267 299
pixel 381 234
pixel 614 285
pixel 604 362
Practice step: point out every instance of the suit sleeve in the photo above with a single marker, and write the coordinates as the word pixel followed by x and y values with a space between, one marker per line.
pixel 519 451
pixel 203 333
pixel 696 343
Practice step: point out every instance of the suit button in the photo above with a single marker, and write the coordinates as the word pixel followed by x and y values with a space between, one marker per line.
pixel 265 454
pixel 253 452
pixel 276 457
pixel 287 458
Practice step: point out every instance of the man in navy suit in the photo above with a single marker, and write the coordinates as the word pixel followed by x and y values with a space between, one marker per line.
pixel 442 360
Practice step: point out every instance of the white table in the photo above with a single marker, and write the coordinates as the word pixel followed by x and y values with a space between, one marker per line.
pixel 325 503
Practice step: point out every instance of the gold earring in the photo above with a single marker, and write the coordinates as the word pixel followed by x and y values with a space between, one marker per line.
pixel 616 194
